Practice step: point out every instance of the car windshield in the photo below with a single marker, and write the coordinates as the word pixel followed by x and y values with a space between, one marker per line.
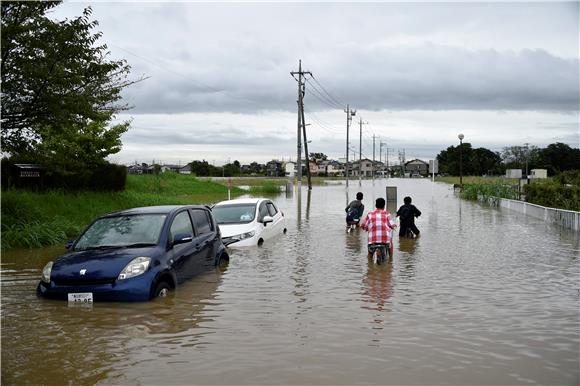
pixel 234 213
pixel 122 231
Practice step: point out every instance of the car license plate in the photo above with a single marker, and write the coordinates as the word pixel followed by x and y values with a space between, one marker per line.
pixel 81 297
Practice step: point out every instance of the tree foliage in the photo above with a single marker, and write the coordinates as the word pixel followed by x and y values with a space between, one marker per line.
pixel 559 157
pixel 478 161
pixel 59 90
pixel 318 156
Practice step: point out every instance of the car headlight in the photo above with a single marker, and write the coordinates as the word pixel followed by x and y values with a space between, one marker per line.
pixel 244 236
pixel 46 273
pixel 136 267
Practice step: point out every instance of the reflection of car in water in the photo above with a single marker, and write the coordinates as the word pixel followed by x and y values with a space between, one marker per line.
pixel 248 221
pixel 135 255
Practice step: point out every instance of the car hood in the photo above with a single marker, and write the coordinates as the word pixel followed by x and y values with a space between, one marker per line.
pixel 98 265
pixel 229 230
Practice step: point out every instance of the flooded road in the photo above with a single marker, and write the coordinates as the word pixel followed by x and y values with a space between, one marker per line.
pixel 484 296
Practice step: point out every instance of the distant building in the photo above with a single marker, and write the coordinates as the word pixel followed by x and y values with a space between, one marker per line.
pixel 417 167
pixel 513 173
pixel 185 169
pixel 290 169
pixel 539 173
pixel 140 169
pixel 274 169
pixel 170 168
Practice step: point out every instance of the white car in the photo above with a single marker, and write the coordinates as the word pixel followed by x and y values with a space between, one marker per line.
pixel 248 221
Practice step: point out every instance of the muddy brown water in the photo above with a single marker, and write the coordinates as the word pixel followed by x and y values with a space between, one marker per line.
pixel 484 296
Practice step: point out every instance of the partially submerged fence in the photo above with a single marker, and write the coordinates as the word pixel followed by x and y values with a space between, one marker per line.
pixel 566 218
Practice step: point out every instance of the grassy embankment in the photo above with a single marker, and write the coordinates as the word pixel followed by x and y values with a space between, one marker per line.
pixel 35 219
pixel 486 186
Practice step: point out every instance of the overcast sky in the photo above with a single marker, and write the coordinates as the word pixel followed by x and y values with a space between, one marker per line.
pixel 418 74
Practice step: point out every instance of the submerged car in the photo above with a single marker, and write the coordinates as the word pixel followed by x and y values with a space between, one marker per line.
pixel 249 221
pixel 135 255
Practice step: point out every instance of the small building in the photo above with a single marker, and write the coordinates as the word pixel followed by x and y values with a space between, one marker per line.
pixel 290 168
pixel 539 173
pixel 513 173
pixel 313 167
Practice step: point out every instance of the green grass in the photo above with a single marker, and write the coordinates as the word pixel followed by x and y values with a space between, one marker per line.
pixel 472 191
pixel 478 180
pixel 32 219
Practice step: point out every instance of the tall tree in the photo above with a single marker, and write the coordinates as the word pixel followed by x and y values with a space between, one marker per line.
pixel 559 157
pixel 57 83
pixel 449 160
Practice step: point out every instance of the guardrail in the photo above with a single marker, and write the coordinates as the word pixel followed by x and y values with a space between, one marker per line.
pixel 566 218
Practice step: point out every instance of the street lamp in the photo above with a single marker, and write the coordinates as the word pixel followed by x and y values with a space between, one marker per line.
pixel 461 136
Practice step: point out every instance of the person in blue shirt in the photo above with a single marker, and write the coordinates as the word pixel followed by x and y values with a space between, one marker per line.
pixel 354 211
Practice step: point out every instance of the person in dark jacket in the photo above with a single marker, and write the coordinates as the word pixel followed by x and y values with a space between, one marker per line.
pixel 407 214
pixel 354 211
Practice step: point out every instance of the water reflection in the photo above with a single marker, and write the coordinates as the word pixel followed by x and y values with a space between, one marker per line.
pixel 88 342
pixel 408 245
pixel 377 286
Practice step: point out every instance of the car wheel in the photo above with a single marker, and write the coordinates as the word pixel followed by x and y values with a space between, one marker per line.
pixel 162 290
pixel 222 262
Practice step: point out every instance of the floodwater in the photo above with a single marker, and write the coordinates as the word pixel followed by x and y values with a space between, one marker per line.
pixel 484 296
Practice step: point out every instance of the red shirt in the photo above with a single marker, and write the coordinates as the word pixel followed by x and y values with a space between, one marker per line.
pixel 378 223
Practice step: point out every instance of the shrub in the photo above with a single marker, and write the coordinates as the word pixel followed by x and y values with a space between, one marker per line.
pixel 472 191
pixel 553 195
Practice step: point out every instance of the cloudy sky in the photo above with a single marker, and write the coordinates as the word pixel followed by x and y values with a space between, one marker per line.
pixel 219 86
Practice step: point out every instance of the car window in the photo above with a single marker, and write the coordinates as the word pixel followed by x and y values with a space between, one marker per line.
pixel 181 224
pixel 234 214
pixel 263 211
pixel 201 221
pixel 272 209
pixel 128 230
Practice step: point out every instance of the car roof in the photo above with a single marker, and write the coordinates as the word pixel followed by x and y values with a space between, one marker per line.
pixel 159 209
pixel 238 201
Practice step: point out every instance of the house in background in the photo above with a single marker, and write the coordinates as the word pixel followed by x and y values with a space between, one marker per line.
pixel 185 169
pixel 274 169
pixel 417 167
pixel 170 168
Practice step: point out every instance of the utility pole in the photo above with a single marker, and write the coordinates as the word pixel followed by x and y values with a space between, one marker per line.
pixel 402 161
pixel 349 115
pixel 300 101
pixel 373 165
pixel 306 154
pixel 360 152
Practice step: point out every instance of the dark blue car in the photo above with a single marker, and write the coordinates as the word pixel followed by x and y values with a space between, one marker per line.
pixel 135 255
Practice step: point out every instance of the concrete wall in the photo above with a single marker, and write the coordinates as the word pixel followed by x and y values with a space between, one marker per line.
pixel 566 218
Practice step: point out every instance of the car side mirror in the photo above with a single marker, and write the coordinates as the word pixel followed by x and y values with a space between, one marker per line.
pixel 69 244
pixel 182 238
pixel 267 219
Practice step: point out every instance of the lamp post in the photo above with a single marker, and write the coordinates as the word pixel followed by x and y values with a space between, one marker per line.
pixel 461 136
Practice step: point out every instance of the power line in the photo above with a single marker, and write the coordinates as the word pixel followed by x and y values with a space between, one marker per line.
pixel 329 100
pixel 327 93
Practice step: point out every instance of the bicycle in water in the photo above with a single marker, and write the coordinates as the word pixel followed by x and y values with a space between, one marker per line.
pixel 380 252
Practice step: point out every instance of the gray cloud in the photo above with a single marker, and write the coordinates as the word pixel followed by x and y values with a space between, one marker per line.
pixel 428 76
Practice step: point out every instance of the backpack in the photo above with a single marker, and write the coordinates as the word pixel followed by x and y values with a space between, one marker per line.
pixel 406 213
pixel 352 215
